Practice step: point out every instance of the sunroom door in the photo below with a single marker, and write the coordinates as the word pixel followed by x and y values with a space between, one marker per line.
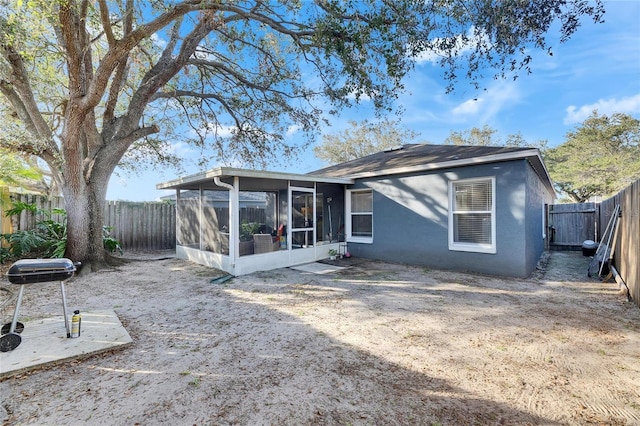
pixel 302 217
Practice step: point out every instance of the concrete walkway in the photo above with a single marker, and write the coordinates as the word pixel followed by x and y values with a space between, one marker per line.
pixel 317 268
pixel 44 341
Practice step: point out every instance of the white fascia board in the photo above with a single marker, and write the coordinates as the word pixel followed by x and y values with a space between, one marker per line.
pixel 233 172
pixel 186 180
pixel 284 176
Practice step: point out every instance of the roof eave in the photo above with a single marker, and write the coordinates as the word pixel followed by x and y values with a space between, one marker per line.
pixel 447 164
pixel 222 172
pixel 532 155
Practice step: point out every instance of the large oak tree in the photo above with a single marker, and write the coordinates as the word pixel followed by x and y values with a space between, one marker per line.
pixel 599 158
pixel 361 139
pixel 88 85
pixel 488 136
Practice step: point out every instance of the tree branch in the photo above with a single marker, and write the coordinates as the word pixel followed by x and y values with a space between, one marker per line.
pixel 121 73
pixel 240 77
pixel 118 52
pixel 139 134
pixel 68 31
pixel 19 93
pixel 106 22
pixel 188 93
pixel 167 67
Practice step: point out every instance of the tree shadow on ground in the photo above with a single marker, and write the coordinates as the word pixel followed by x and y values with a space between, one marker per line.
pixel 229 354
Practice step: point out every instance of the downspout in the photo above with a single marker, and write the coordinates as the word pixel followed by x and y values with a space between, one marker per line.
pixel 233 223
pixel 222 184
pixel 178 218
pixel 289 217
pixel 313 219
pixel 200 218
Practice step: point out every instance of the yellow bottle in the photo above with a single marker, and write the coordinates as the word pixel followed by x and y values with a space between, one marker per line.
pixel 76 320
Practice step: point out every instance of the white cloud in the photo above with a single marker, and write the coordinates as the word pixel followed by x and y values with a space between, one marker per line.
pixel 221 131
pixel 486 107
pixel 181 149
pixel 293 129
pixel 211 129
pixel 158 41
pixel 628 105
pixel 363 96
pixel 204 55
pixel 461 47
pixel 469 107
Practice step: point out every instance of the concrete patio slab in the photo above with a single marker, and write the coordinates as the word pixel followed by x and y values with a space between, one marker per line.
pixel 318 268
pixel 44 341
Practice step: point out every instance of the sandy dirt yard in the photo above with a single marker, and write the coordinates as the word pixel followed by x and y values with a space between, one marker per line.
pixel 374 344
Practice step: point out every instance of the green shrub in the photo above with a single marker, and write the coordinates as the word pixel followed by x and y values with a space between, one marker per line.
pixel 247 229
pixel 24 242
pixel 5 254
pixel 110 244
pixel 48 239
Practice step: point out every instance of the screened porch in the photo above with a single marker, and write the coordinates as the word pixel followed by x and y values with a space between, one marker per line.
pixel 242 221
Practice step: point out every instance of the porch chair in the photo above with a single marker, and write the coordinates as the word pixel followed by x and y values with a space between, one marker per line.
pixel 263 243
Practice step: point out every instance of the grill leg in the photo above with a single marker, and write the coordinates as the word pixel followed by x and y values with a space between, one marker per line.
pixel 64 308
pixel 15 313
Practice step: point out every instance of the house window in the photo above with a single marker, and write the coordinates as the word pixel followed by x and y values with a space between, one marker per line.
pixel 472 218
pixel 360 216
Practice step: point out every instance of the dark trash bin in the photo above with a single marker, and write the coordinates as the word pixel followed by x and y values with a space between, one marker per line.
pixel 589 248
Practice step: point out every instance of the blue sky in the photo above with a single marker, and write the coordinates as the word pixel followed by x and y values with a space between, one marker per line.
pixel 598 68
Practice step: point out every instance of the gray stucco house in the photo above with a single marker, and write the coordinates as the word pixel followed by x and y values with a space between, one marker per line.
pixel 466 208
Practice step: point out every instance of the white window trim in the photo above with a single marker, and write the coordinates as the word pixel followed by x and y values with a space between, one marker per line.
pixel 544 220
pixel 471 247
pixel 349 237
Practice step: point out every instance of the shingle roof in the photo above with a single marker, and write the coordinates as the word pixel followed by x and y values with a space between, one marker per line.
pixel 416 155
pixel 413 158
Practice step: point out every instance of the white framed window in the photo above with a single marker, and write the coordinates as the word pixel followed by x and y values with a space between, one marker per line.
pixel 359 209
pixel 472 215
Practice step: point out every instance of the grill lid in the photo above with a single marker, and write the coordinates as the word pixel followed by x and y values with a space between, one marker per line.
pixel 28 271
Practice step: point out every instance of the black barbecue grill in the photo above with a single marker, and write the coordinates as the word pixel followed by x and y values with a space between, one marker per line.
pixel 34 271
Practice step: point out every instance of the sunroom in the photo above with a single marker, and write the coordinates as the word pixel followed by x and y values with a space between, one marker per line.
pixel 242 221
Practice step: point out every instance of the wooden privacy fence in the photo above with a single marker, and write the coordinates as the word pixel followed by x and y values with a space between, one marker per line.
pixel 27 220
pixel 142 226
pixel 138 226
pixel 627 251
pixel 571 224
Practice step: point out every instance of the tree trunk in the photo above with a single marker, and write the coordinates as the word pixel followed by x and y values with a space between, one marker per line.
pixel 85 218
